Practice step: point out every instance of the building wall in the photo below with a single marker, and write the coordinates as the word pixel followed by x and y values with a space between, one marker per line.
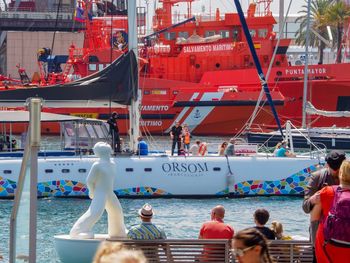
pixel 22 48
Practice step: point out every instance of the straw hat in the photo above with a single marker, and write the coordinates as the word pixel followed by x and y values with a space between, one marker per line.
pixel 146 211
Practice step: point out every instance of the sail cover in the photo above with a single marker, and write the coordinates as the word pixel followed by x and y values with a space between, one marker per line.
pixel 310 109
pixel 117 83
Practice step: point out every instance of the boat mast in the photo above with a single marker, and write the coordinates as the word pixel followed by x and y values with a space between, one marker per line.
pixel 280 19
pixel 307 42
pixel 134 109
pixel 257 62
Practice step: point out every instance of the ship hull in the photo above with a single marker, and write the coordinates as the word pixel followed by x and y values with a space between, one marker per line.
pixel 205 111
pixel 166 176
pixel 328 89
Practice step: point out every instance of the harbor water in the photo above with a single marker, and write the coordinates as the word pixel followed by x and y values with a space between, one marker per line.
pixel 180 218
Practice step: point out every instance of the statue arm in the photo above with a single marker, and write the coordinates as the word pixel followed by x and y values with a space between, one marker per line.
pixel 91 180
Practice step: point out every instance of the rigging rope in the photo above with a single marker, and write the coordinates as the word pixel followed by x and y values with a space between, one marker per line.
pixel 270 66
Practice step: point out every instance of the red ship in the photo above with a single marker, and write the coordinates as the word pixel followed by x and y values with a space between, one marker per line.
pixel 201 73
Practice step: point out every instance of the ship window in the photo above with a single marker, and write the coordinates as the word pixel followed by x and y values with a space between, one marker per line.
pixel 7 172
pixel 148 169
pixel 92 67
pixel 224 33
pixel 65 171
pixel 209 33
pixel 252 32
pixel 82 170
pixel 100 67
pixel 48 171
pixel 146 92
pixel 129 169
pixel 343 103
pixel 262 33
pixel 170 35
pixel 93 59
pixel 183 34
pixel 236 34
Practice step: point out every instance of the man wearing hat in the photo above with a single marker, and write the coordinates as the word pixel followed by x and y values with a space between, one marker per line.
pixel 146 230
pixel 324 177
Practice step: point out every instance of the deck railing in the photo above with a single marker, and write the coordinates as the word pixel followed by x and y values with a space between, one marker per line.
pixel 209 250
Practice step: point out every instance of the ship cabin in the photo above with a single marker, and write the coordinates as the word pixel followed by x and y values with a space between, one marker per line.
pixel 213 43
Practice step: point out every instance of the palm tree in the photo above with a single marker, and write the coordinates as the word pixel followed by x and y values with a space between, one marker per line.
pixel 337 15
pixel 317 23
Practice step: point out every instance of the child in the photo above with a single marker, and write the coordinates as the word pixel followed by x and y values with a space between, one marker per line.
pixel 261 216
pixel 277 228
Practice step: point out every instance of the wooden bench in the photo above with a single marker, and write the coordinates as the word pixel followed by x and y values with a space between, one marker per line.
pixel 214 251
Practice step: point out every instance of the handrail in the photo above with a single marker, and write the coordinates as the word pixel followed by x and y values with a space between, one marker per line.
pixel 214 250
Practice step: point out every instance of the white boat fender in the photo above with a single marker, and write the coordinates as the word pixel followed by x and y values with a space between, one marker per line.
pixel 230 179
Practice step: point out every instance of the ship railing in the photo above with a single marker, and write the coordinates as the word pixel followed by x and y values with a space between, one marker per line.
pixel 214 250
pixel 315 149
pixel 46 10
pixel 36 15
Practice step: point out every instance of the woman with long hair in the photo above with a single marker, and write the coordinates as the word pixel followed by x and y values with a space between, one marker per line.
pixel 250 246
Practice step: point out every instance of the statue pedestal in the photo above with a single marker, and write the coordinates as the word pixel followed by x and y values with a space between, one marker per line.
pixel 72 250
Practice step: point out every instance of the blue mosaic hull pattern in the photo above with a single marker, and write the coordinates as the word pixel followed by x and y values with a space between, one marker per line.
pixel 7 187
pixel 293 185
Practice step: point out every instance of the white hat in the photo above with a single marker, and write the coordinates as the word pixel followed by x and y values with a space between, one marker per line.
pixel 146 211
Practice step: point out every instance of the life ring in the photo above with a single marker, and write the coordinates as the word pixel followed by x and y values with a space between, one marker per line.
pixel 202 149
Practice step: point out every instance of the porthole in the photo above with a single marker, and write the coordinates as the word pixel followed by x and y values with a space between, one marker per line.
pixel 197 66
pixel 217 65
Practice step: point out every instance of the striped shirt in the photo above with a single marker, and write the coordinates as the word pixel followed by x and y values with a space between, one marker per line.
pixel 146 230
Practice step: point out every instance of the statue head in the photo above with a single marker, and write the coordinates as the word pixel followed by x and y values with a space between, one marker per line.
pixel 102 149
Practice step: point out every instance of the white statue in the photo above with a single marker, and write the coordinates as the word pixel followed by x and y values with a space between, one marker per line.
pixel 100 182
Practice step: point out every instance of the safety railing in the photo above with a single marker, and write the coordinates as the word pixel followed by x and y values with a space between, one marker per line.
pixel 211 250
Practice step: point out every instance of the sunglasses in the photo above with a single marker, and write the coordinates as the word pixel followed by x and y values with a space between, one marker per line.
pixel 238 252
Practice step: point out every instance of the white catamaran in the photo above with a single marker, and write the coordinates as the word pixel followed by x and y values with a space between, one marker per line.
pixel 165 176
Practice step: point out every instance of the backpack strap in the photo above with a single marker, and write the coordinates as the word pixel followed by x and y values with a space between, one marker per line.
pixel 337 192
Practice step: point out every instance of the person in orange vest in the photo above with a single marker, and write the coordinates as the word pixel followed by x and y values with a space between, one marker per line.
pixel 186 137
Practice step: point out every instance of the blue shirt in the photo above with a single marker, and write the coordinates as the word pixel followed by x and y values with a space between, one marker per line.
pixel 142 148
pixel 281 152
pixel 146 230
